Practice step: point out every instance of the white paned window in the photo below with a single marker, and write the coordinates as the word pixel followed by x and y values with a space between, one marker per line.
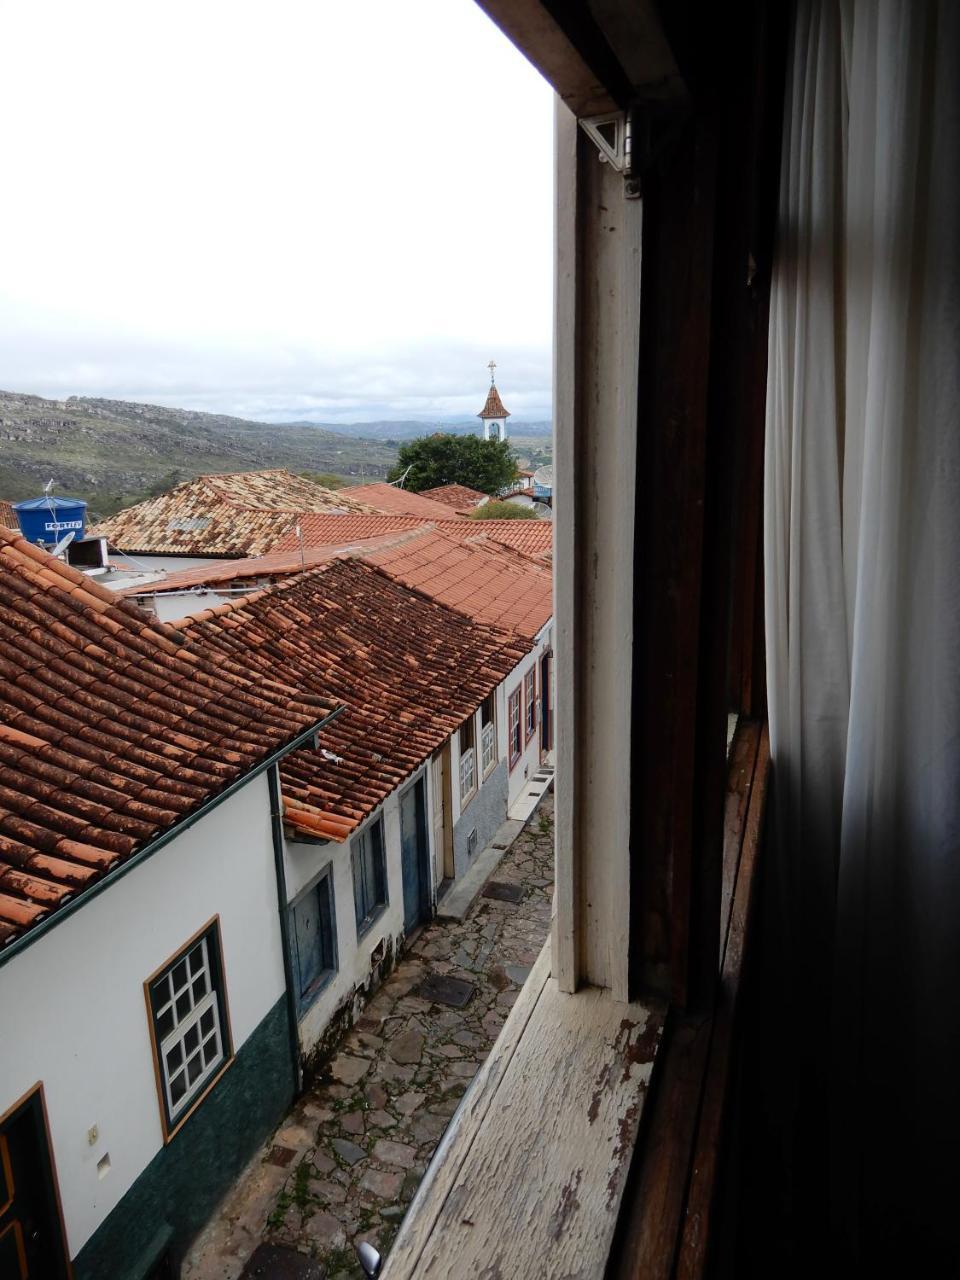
pixel 530 701
pixel 488 748
pixel 468 759
pixel 516 732
pixel 488 735
pixel 467 771
pixel 190 1036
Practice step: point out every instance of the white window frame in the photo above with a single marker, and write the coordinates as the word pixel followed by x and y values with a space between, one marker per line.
pixel 186 1004
pixel 488 737
pixel 515 725
pixel 488 747
pixel 530 709
pixel 468 761
pixel 467 775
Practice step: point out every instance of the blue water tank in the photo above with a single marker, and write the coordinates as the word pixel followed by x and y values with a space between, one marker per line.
pixel 48 520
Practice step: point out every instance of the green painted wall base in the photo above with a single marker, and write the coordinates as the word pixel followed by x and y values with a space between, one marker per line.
pixel 176 1194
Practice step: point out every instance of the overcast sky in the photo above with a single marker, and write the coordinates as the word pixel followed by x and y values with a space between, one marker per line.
pixel 278 208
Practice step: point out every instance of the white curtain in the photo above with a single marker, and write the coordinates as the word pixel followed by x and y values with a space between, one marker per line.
pixel 862 563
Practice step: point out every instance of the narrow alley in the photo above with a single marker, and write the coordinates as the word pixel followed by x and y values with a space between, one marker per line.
pixel 350 1155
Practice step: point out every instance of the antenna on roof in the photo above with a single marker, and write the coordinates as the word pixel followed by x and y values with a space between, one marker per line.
pixel 300 539
pixel 47 493
pixel 63 543
pixel 399 483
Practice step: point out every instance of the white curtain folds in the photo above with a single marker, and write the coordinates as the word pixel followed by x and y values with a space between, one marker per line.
pixel 862 563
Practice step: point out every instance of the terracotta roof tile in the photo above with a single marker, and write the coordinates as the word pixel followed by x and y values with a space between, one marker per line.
pixel 8 517
pixel 489 583
pixel 494 406
pixel 458 496
pixel 111 730
pixel 278 564
pixel 389 500
pixel 222 515
pixel 408 671
pixel 533 538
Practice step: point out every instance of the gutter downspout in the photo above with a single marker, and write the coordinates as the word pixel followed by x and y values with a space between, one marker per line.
pixel 293 1021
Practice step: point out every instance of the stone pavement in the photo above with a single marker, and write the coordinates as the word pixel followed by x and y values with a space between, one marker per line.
pixel 349 1157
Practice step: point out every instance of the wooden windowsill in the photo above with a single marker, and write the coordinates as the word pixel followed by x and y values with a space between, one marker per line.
pixel 534 1163
pixel 539 1163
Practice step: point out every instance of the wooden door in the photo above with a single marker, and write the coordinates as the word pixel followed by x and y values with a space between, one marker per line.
pixel 413 851
pixel 31 1234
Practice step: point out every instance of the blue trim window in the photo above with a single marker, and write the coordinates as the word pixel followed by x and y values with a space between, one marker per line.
pixel 313 938
pixel 369 876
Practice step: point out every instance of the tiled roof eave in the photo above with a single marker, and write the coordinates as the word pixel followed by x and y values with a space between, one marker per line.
pixel 40 921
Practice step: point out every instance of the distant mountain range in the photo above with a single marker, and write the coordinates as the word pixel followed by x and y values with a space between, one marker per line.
pixel 409 429
pixel 115 452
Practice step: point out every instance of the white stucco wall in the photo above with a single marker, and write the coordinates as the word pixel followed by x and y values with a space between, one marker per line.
pixel 165 564
pixel 304 862
pixel 174 605
pixel 72 1010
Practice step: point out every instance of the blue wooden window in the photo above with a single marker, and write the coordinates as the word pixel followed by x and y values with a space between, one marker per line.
pixel 369 876
pixel 314 938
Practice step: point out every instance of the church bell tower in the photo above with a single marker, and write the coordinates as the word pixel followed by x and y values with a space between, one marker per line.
pixel 493 415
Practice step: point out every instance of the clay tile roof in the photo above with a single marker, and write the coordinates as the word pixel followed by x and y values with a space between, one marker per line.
pixel 390 500
pixel 222 515
pixel 328 530
pixel 488 582
pixel 458 496
pixel 408 671
pixel 276 564
pixel 533 538
pixel 8 517
pixel 112 730
pixel 494 406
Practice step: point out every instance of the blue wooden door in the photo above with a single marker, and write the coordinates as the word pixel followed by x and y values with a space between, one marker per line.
pixel 413 845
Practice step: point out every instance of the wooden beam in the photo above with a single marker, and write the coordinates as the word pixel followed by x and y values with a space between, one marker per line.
pixel 667 1215
pixel 695 1242
pixel 598 304
pixel 571 43
pixel 672 869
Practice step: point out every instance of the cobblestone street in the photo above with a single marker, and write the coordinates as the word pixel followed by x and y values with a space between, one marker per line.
pixel 350 1155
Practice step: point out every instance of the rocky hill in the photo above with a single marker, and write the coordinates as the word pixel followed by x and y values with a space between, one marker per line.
pixel 114 452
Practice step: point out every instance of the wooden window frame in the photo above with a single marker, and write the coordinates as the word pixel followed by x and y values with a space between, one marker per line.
pixel 305 998
pixel 515 699
pixel 366 922
pixel 172 1124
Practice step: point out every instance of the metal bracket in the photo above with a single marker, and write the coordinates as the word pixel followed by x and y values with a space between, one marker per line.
pixel 631 140
pixel 612 135
pixel 608 135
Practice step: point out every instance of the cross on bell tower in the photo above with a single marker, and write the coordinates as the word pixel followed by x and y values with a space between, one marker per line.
pixel 493 415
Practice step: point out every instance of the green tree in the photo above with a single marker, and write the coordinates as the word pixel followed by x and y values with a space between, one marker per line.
pixel 439 459
pixel 503 511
